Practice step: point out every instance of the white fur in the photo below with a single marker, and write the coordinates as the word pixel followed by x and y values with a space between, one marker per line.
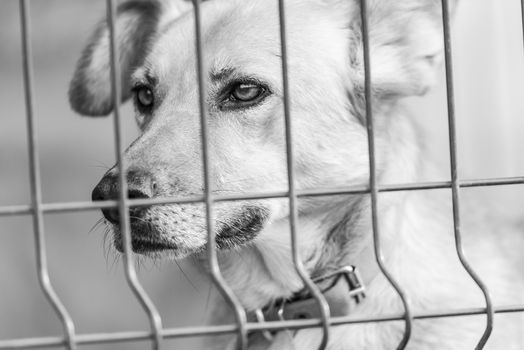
pixel 247 150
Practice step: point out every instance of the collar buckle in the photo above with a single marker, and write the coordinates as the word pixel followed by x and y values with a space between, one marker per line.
pixel 303 307
pixel 259 316
pixel 350 273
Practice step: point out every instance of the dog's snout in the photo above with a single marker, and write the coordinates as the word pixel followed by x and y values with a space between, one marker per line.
pixel 107 189
pixel 140 184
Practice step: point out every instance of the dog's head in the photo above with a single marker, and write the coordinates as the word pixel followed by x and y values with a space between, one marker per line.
pixel 244 101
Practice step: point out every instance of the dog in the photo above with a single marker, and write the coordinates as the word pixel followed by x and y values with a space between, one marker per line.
pixel 247 152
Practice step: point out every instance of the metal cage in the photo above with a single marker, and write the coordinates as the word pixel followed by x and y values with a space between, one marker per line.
pixel 72 340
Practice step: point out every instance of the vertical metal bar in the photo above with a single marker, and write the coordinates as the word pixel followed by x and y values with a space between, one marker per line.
pixel 216 275
pixel 373 177
pixel 293 216
pixel 522 18
pixel 36 188
pixel 455 190
pixel 123 208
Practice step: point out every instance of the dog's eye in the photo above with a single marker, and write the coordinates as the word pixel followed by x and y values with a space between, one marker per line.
pixel 243 94
pixel 144 97
pixel 246 92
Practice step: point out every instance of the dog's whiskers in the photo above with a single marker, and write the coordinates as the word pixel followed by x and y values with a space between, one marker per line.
pixel 116 261
pixel 138 219
pixel 208 298
pixel 231 225
pixel 186 276
pixel 100 164
pixel 97 225
pixel 109 249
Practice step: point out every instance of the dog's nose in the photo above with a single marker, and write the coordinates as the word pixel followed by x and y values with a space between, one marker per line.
pixel 140 184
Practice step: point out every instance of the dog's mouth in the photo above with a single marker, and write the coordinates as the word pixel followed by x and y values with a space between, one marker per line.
pixel 144 245
pixel 242 229
pixel 234 232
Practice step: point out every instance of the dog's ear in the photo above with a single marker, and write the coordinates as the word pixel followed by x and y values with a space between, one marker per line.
pixel 136 24
pixel 406 45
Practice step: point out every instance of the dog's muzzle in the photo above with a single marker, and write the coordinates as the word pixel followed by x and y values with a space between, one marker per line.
pixel 236 226
pixel 140 184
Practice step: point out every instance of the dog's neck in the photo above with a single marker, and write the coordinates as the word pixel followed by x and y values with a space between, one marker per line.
pixel 265 271
pixel 339 236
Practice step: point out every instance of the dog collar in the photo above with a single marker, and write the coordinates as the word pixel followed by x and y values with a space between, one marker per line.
pixel 344 290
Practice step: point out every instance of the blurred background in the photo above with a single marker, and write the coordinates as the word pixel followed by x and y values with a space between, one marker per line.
pixel 75 152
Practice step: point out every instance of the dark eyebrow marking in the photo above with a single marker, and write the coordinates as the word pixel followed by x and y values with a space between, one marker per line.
pixel 151 78
pixel 221 74
pixel 146 79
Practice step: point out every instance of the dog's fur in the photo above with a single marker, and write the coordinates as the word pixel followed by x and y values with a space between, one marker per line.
pixel 247 152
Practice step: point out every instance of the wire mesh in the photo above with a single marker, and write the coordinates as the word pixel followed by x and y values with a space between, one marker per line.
pixel 157 333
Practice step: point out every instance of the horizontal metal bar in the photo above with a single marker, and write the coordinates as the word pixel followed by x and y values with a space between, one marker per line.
pixel 12 210
pixel 167 333
pixel 59 207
